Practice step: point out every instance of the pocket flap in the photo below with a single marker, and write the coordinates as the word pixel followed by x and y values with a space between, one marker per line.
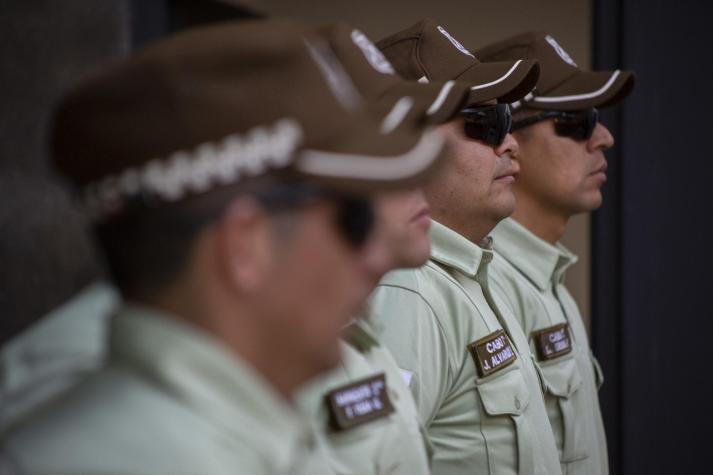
pixel 561 377
pixel 505 394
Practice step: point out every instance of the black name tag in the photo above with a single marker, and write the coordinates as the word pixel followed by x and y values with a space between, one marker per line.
pixel 553 342
pixel 359 402
pixel 492 353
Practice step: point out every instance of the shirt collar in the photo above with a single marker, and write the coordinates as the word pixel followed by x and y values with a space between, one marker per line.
pixel 538 260
pixel 450 248
pixel 209 378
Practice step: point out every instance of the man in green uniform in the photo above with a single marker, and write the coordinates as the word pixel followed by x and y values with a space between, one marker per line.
pixel 562 168
pixel 215 163
pixel 364 411
pixel 468 363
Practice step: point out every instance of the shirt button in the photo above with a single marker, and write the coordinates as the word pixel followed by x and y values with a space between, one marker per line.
pixel 517 403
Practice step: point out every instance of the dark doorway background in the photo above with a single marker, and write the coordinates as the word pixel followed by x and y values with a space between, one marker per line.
pixel 651 243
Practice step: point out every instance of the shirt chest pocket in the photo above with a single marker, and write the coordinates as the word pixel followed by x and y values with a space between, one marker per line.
pixel 562 382
pixel 505 397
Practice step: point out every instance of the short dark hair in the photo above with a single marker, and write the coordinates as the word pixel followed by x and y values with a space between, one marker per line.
pixel 146 247
pixel 144 252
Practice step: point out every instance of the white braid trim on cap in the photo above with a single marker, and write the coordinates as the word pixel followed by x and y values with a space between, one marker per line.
pixel 210 164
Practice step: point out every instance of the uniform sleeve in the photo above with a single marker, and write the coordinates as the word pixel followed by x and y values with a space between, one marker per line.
pixel 408 327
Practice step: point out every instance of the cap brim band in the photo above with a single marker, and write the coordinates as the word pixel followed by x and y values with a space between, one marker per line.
pixel 359 171
pixel 434 103
pixel 440 100
pixel 497 81
pixel 586 89
pixel 505 81
pixel 397 115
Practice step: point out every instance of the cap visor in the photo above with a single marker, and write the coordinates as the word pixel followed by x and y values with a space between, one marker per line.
pixel 506 81
pixel 434 102
pixel 586 89
pixel 374 154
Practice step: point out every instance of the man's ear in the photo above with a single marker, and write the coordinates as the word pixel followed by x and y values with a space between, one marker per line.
pixel 244 247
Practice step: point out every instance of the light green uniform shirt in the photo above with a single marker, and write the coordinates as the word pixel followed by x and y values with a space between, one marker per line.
pixel 170 400
pixel 55 353
pixel 490 424
pixel 529 275
pixel 390 444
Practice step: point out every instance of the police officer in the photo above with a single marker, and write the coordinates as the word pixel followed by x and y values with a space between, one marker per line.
pixel 364 411
pixel 216 164
pixel 562 170
pixel 468 363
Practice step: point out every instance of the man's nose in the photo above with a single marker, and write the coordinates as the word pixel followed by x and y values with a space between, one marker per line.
pixel 509 145
pixel 601 139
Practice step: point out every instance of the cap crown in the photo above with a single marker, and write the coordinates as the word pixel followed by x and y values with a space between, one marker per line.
pixel 427 49
pixel 231 84
pixel 556 65
pixel 370 71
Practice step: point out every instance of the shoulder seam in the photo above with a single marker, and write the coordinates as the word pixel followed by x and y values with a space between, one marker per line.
pixel 439 324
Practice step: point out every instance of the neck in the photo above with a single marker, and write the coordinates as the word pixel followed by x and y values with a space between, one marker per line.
pixel 475 229
pixel 234 326
pixel 540 220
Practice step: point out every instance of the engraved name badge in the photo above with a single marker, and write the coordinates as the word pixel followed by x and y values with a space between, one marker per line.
pixel 492 353
pixel 359 402
pixel 553 342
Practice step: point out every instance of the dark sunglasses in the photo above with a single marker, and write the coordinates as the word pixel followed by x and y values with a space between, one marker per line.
pixel 355 215
pixel 489 124
pixel 577 125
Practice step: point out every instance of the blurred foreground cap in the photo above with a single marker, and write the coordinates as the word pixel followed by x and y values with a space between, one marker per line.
pixel 217 105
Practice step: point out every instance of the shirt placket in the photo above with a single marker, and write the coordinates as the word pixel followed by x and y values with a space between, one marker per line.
pixel 557 290
pixel 482 279
pixel 526 455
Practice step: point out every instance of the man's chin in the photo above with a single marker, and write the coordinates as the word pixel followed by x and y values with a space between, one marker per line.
pixel 414 253
pixel 422 256
pixel 504 208
pixel 590 202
